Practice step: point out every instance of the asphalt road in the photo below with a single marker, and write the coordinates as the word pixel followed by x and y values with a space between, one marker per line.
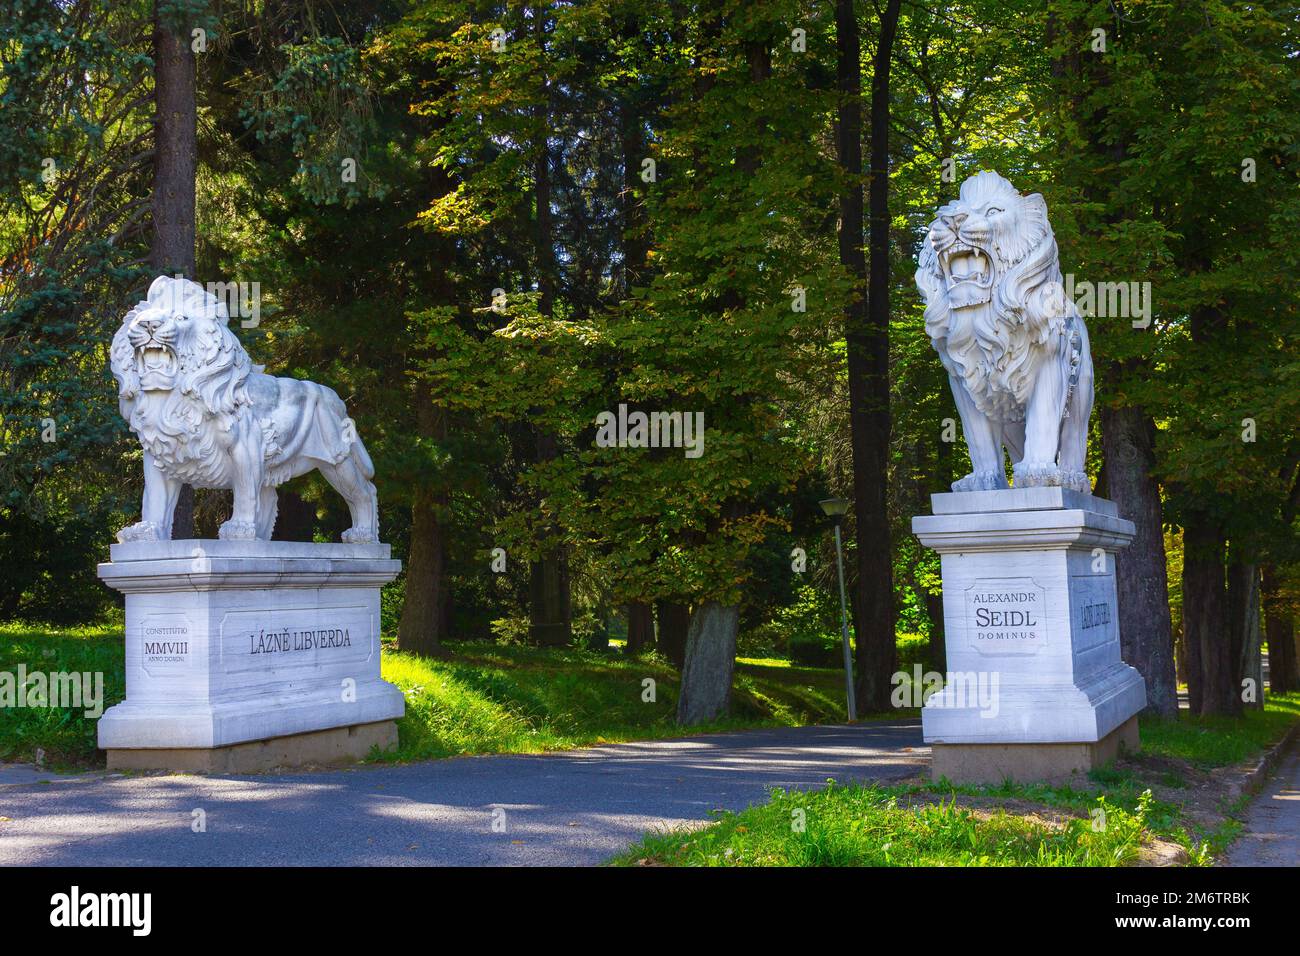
pixel 574 808
pixel 1272 833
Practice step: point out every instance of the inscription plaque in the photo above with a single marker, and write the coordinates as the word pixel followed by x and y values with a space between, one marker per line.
pixel 296 637
pixel 1006 616
pixel 166 648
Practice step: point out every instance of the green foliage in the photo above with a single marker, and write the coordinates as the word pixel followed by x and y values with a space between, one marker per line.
pixel 1152 186
pixel 913 649
pixel 810 628
pixel 44 575
pixel 319 103
pixel 74 124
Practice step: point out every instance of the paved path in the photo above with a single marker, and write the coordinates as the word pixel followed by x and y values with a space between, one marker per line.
pixel 1272 833
pixel 573 808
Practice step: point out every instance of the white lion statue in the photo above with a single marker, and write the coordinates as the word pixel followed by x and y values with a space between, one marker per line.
pixel 207 417
pixel 1014 347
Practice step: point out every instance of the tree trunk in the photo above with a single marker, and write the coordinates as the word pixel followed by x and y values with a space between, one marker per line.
pixel 1282 654
pixel 867 339
pixel 640 628
pixel 175 166
pixel 710 661
pixel 1145 631
pixel 550 611
pixel 674 622
pixel 598 639
pixel 1211 663
pixel 424 621
pixel 1243 622
pixel 1280 624
pixel 550 621
pixel 425 613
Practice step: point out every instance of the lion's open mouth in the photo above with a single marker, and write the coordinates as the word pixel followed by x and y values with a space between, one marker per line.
pixel 156 365
pixel 969 272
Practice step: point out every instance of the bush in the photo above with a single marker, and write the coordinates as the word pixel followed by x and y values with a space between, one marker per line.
pixel 765 640
pixel 913 649
pixel 391 599
pixel 811 628
pixel 816 650
pixel 47 566
pixel 510 630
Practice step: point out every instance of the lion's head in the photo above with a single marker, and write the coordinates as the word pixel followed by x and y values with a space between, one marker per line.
pixel 989 273
pixel 173 356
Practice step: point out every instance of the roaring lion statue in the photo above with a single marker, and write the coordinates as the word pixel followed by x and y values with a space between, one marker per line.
pixel 207 417
pixel 1014 347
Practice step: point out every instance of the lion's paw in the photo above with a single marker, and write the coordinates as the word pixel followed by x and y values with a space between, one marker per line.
pixel 1035 474
pixel 140 531
pixel 980 481
pixel 1076 481
pixel 237 530
pixel 360 536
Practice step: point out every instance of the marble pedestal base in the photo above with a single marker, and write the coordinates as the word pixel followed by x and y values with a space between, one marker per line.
pixel 231 642
pixel 335 746
pixel 1032 634
pixel 1030 763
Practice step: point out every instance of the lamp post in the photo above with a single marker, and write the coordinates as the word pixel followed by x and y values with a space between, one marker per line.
pixel 835 509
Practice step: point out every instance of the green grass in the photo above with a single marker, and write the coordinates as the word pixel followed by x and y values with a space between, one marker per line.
pixel 895 826
pixel 485 699
pixel 1208 742
pixel 66 737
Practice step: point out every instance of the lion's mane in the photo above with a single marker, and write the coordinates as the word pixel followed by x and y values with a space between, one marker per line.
pixel 997 350
pixel 179 426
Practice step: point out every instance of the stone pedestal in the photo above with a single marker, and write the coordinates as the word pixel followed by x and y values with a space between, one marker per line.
pixel 1035 689
pixel 234 642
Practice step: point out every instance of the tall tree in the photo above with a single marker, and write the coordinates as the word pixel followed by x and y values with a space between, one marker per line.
pixel 867 337
pixel 175 169
pixel 1083 74
pixel 550 607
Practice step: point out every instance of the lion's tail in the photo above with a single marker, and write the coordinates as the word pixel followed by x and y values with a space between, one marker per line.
pixel 358 450
pixel 363 457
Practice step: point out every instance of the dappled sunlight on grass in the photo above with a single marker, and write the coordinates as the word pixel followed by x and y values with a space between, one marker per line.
pixel 892 826
pixel 1220 741
pixel 510 699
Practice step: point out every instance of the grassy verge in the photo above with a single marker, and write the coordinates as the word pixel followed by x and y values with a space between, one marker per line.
pixel 1208 742
pixel 1173 802
pixel 896 826
pixel 484 699
pixel 493 699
